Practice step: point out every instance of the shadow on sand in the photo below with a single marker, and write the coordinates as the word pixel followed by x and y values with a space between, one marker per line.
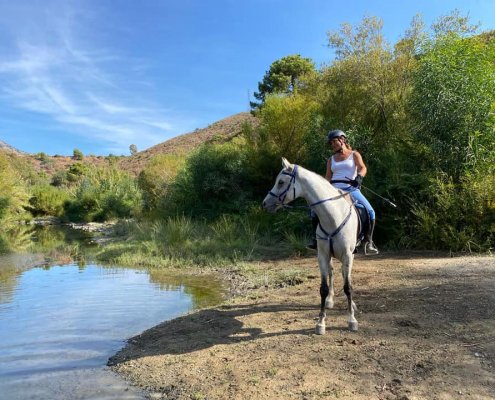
pixel 203 329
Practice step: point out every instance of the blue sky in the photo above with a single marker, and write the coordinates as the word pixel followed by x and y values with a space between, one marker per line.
pixel 99 75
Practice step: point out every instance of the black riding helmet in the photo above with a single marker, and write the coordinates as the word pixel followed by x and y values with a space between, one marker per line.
pixel 337 133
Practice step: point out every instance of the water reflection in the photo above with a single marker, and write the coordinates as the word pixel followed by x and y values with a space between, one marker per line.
pixel 59 323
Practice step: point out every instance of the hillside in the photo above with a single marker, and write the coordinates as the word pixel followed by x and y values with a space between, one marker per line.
pixel 8 148
pixel 220 131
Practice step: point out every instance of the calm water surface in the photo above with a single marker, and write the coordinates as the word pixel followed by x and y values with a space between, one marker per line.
pixel 60 324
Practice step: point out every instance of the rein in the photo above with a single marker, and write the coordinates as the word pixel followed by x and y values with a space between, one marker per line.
pixel 281 197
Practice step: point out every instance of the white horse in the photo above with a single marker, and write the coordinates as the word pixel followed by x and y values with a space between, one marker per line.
pixel 336 232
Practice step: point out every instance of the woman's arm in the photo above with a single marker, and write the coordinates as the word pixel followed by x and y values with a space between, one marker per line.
pixel 361 168
pixel 328 175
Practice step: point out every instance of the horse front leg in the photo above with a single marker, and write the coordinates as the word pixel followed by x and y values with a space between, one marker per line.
pixel 323 262
pixel 351 306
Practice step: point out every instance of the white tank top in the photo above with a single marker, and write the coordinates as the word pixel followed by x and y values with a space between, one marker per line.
pixel 343 170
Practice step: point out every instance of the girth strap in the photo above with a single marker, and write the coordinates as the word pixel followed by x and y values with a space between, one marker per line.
pixel 336 232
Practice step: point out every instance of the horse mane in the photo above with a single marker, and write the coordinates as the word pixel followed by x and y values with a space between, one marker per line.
pixel 320 178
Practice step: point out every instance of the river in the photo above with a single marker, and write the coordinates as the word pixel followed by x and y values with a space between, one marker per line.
pixel 60 322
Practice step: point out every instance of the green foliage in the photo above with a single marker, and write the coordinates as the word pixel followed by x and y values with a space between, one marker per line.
pixel 77 154
pixel 76 172
pixel 157 176
pixel 104 194
pixel 452 104
pixel 43 157
pixel 365 88
pixel 458 217
pixel 13 194
pixel 421 112
pixel 283 77
pixel 183 241
pixel 214 181
pixel 289 127
pixel 60 178
pixel 453 24
pixel 47 200
pixel 133 149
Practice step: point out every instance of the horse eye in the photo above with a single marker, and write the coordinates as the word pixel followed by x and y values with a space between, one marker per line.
pixel 280 182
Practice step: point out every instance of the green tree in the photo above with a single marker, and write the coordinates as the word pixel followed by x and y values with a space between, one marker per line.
pixel 133 149
pixel 365 87
pixel 284 76
pixel 364 92
pixel 452 104
pixel 290 126
pixel 13 194
pixel 214 181
pixel 77 154
pixel 454 24
pixel 157 176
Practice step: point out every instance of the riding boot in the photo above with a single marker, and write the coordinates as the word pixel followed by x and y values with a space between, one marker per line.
pixel 313 244
pixel 369 246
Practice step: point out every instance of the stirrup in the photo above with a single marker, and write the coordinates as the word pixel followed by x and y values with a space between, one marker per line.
pixel 313 245
pixel 370 249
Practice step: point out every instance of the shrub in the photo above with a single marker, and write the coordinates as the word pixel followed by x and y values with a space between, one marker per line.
pixel 104 194
pixel 47 200
pixel 77 154
pixel 155 179
pixel 214 181
pixel 458 217
pixel 13 194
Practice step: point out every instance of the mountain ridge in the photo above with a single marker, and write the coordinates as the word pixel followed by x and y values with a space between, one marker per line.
pixel 220 131
pixel 223 130
pixel 7 147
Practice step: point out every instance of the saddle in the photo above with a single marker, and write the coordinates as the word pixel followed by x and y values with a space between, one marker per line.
pixel 363 220
pixel 363 223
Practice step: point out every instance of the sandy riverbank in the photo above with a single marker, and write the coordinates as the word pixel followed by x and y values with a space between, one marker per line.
pixel 427 329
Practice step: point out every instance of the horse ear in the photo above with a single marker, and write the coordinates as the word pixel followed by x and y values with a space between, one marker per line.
pixel 286 164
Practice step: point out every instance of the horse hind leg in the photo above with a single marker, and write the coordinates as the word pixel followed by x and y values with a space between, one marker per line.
pixel 351 306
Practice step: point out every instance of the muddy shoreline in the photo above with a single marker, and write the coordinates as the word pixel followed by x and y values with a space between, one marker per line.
pixel 427 326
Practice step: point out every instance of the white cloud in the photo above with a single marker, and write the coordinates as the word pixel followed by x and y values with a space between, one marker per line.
pixel 79 87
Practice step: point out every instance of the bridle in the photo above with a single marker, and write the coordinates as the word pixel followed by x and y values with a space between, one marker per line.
pixel 281 197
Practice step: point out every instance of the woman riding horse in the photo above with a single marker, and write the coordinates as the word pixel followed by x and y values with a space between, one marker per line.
pixel 346 170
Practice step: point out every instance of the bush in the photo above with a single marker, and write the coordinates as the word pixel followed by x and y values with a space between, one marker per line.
pixel 43 157
pixel 76 171
pixel 452 104
pixel 155 179
pixel 458 217
pixel 13 195
pixel 214 181
pixel 104 194
pixel 47 200
pixel 78 155
pixel 290 126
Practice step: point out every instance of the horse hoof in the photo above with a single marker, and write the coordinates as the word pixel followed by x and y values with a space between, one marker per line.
pixel 320 329
pixel 353 326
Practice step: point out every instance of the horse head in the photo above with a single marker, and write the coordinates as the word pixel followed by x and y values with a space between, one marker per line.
pixel 284 190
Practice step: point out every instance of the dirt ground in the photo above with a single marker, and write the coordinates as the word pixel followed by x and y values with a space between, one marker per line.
pixel 426 331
